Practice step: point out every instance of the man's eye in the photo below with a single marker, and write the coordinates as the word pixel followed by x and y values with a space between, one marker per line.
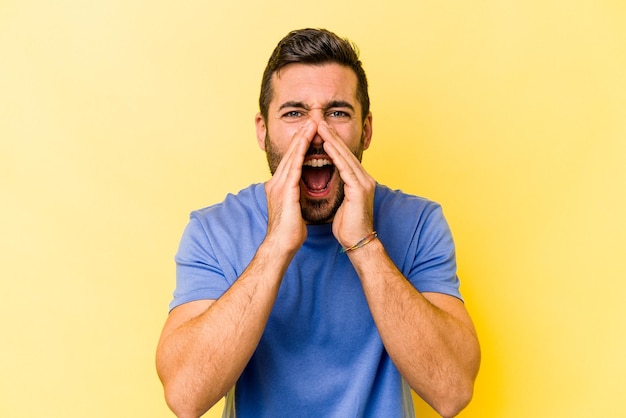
pixel 292 114
pixel 338 114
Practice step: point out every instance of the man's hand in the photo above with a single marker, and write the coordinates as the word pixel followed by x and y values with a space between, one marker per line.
pixel 355 217
pixel 286 228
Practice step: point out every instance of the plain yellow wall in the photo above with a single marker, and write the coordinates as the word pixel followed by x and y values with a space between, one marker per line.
pixel 117 118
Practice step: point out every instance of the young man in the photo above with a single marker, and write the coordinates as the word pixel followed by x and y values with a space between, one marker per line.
pixel 320 292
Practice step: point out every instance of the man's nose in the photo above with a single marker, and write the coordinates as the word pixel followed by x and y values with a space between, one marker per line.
pixel 317 115
pixel 317 140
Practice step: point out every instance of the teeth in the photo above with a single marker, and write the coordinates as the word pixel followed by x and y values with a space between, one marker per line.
pixel 317 162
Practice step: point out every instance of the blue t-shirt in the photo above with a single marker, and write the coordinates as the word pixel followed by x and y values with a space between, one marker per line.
pixel 320 354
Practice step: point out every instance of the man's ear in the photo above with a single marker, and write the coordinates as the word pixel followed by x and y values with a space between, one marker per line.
pixel 261 130
pixel 367 131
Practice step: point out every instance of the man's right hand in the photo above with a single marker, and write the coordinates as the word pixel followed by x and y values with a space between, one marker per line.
pixel 286 229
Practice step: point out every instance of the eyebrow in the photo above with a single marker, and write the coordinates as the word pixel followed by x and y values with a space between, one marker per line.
pixel 330 105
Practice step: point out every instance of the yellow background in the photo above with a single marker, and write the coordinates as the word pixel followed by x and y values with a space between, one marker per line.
pixel 117 118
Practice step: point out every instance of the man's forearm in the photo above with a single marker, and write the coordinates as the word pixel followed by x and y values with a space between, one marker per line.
pixel 429 337
pixel 200 359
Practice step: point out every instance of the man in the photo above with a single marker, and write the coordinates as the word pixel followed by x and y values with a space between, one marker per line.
pixel 320 292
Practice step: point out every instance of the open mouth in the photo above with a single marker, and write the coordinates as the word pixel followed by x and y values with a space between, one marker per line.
pixel 317 173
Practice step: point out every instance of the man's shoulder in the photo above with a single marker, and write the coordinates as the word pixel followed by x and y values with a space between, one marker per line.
pixel 245 209
pixel 402 214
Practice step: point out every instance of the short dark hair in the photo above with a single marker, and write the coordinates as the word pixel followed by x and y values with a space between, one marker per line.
pixel 314 47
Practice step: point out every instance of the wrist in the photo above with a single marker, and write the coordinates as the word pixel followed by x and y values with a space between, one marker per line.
pixel 361 243
pixel 367 257
pixel 278 245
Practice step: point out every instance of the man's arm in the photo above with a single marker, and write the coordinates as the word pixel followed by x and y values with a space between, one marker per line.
pixel 429 336
pixel 205 345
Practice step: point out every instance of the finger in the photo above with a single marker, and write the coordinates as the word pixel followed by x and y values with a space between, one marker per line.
pixel 290 166
pixel 347 163
pixel 283 189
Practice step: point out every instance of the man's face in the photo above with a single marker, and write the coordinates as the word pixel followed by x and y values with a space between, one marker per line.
pixel 319 93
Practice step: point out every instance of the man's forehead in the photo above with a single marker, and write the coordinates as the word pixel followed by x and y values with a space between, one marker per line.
pixel 330 81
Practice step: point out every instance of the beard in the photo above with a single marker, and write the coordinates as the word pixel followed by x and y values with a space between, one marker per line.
pixel 314 211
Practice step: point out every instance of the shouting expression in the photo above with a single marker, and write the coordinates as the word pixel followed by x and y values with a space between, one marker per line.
pixel 318 94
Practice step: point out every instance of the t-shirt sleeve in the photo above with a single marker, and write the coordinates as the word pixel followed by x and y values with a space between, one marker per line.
pixel 198 273
pixel 434 267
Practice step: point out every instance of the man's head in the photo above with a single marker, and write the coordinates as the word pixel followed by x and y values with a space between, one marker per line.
pixel 314 47
pixel 314 79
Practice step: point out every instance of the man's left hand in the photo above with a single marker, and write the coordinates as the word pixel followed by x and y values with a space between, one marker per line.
pixel 354 218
